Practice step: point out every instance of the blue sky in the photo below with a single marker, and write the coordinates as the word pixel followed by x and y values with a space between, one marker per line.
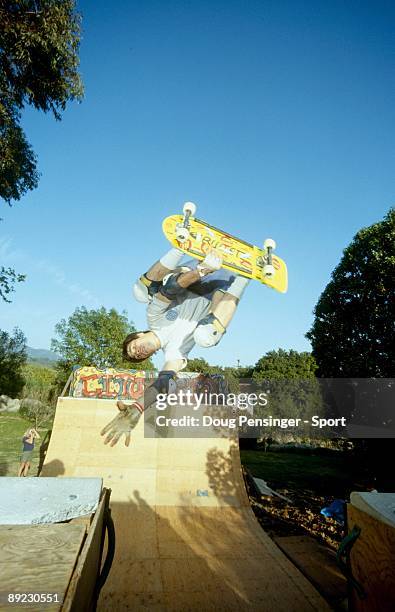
pixel 276 118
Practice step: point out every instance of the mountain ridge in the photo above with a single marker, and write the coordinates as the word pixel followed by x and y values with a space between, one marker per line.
pixel 42 356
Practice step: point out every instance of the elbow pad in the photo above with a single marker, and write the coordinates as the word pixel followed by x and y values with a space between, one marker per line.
pixel 170 287
pixel 144 289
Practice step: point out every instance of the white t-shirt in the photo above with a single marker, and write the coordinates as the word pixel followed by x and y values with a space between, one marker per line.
pixel 175 322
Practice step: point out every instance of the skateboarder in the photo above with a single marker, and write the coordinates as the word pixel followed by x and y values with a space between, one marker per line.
pixel 186 305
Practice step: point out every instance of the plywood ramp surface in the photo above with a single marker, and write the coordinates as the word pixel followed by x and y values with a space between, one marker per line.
pixel 186 538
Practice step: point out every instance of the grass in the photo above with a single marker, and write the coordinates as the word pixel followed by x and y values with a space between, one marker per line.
pixel 328 475
pixel 12 428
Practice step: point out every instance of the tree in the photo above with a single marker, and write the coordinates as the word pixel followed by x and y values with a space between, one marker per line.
pixel 288 377
pixel 39 42
pixel 92 338
pixel 198 364
pixel 285 365
pixel 353 332
pixel 8 278
pixel 36 412
pixel 13 356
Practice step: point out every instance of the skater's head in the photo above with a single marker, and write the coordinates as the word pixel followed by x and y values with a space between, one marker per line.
pixel 139 346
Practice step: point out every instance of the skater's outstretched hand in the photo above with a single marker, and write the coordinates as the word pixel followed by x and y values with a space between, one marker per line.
pixel 124 422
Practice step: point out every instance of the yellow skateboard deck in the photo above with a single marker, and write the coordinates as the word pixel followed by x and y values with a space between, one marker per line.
pixel 238 256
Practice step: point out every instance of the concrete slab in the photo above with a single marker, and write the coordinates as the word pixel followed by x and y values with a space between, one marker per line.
pixel 31 501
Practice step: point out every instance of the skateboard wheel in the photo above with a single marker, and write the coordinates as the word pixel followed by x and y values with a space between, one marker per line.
pixel 189 207
pixel 268 270
pixel 182 234
pixel 269 244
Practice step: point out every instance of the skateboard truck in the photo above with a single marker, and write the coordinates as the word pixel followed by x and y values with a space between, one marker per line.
pixel 182 229
pixel 268 269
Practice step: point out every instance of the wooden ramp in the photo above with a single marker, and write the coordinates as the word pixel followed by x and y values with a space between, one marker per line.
pixel 186 538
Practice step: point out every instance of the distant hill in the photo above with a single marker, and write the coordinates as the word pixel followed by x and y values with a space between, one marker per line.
pixel 41 356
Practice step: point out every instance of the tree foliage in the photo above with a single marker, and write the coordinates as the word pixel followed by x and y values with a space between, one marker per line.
pixel 199 364
pixel 288 378
pixel 12 358
pixel 93 338
pixel 285 365
pixel 353 332
pixel 18 163
pixel 39 43
pixel 8 278
pixel 38 382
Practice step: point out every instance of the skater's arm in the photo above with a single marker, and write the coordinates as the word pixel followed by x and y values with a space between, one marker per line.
pixel 129 415
pixel 212 327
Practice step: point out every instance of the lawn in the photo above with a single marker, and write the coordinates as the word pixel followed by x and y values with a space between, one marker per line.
pixel 12 428
pixel 325 474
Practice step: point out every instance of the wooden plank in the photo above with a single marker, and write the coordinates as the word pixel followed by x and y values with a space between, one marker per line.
pixel 379 505
pixel 318 564
pixel 372 561
pixel 37 559
pixel 79 596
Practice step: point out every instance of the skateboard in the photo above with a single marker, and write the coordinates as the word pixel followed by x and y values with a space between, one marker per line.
pixel 197 238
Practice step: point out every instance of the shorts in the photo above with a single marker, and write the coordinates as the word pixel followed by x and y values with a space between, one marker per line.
pixel 26 456
pixel 220 280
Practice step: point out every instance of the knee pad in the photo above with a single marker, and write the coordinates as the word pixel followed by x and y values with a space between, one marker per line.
pixel 209 331
pixel 144 289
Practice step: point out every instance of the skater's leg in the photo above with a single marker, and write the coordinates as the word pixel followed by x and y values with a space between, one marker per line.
pixel 211 329
pixel 170 261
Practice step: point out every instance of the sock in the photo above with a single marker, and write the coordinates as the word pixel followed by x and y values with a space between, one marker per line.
pixel 171 259
pixel 238 286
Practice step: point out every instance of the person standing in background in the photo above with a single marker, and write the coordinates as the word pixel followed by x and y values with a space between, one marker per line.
pixel 28 446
